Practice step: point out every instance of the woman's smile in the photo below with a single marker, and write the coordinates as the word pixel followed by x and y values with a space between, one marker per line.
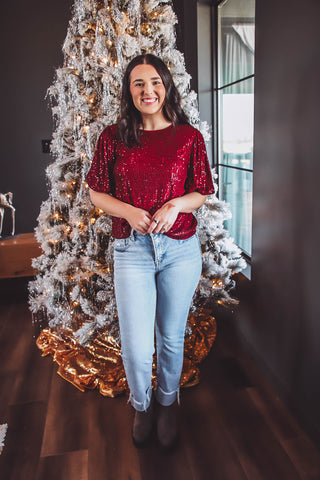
pixel 149 101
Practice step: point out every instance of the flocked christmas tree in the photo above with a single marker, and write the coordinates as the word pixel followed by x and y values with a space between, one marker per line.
pixel 73 291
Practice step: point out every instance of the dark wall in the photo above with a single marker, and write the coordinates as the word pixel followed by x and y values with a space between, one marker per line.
pixel 186 11
pixel 279 312
pixel 32 34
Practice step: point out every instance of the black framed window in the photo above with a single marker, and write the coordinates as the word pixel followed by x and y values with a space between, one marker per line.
pixel 232 33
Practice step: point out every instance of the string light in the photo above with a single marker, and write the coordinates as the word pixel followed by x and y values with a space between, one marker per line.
pixel 217 283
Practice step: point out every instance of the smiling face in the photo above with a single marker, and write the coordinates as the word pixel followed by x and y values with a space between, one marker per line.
pixel 147 91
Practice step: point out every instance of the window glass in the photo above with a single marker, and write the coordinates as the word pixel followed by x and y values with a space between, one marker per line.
pixel 236 110
pixel 235 97
pixel 235 40
pixel 235 188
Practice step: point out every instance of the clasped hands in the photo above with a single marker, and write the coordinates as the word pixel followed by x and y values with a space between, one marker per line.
pixel 163 219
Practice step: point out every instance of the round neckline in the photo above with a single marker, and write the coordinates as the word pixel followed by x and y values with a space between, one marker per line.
pixel 157 130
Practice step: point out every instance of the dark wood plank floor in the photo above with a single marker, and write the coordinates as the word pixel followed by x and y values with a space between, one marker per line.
pixel 233 426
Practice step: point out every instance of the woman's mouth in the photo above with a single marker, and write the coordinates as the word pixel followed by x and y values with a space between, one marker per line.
pixel 149 101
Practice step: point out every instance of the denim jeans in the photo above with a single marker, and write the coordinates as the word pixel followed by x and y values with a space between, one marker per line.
pixel 155 278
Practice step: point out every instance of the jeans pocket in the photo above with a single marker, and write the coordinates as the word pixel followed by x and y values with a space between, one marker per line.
pixel 121 244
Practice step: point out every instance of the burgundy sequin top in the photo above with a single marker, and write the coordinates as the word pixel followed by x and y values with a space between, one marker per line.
pixel 169 163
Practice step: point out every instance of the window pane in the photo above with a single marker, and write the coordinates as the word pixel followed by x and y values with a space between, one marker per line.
pixel 236 108
pixel 236 40
pixel 235 187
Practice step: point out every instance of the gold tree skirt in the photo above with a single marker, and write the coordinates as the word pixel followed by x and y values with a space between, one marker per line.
pixel 99 364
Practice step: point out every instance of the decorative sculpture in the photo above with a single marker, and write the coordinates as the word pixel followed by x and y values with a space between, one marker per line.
pixel 6 202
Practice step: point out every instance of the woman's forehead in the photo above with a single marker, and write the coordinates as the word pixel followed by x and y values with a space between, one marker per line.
pixel 143 71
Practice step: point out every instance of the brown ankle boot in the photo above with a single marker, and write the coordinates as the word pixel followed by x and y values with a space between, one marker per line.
pixel 142 426
pixel 167 427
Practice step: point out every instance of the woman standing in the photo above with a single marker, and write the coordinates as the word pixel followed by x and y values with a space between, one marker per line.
pixel 150 171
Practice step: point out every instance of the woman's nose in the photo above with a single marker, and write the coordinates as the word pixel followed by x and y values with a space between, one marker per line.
pixel 148 88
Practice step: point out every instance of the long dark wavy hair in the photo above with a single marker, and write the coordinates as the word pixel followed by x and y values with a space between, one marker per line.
pixel 130 119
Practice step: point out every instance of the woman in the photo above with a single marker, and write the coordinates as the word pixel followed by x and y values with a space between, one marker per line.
pixel 150 171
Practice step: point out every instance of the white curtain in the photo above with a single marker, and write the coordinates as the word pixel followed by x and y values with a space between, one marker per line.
pixel 246 33
pixel 239 54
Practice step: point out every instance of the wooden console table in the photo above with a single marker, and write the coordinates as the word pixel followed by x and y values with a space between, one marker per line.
pixel 16 255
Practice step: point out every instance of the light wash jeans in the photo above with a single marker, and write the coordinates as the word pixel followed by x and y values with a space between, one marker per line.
pixel 155 278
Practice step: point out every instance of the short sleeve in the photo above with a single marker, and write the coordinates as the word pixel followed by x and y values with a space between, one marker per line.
pixel 100 175
pixel 199 177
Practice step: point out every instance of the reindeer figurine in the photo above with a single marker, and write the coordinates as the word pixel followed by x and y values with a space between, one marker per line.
pixel 6 202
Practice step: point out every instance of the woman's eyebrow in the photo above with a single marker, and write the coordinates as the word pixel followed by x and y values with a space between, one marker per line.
pixel 141 79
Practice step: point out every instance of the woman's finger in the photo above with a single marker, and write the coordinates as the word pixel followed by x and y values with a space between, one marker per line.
pixel 153 225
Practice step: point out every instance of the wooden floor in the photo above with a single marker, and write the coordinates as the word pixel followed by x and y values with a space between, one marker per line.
pixel 233 427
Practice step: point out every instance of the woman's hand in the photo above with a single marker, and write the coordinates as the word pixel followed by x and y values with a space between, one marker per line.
pixel 164 218
pixel 139 219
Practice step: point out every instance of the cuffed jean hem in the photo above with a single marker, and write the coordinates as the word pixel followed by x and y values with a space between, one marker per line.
pixel 141 406
pixel 165 399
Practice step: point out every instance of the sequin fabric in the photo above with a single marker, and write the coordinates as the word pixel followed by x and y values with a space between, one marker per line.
pixel 169 163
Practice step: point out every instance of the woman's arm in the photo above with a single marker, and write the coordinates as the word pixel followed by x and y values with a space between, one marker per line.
pixel 189 202
pixel 138 218
pixel 167 214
